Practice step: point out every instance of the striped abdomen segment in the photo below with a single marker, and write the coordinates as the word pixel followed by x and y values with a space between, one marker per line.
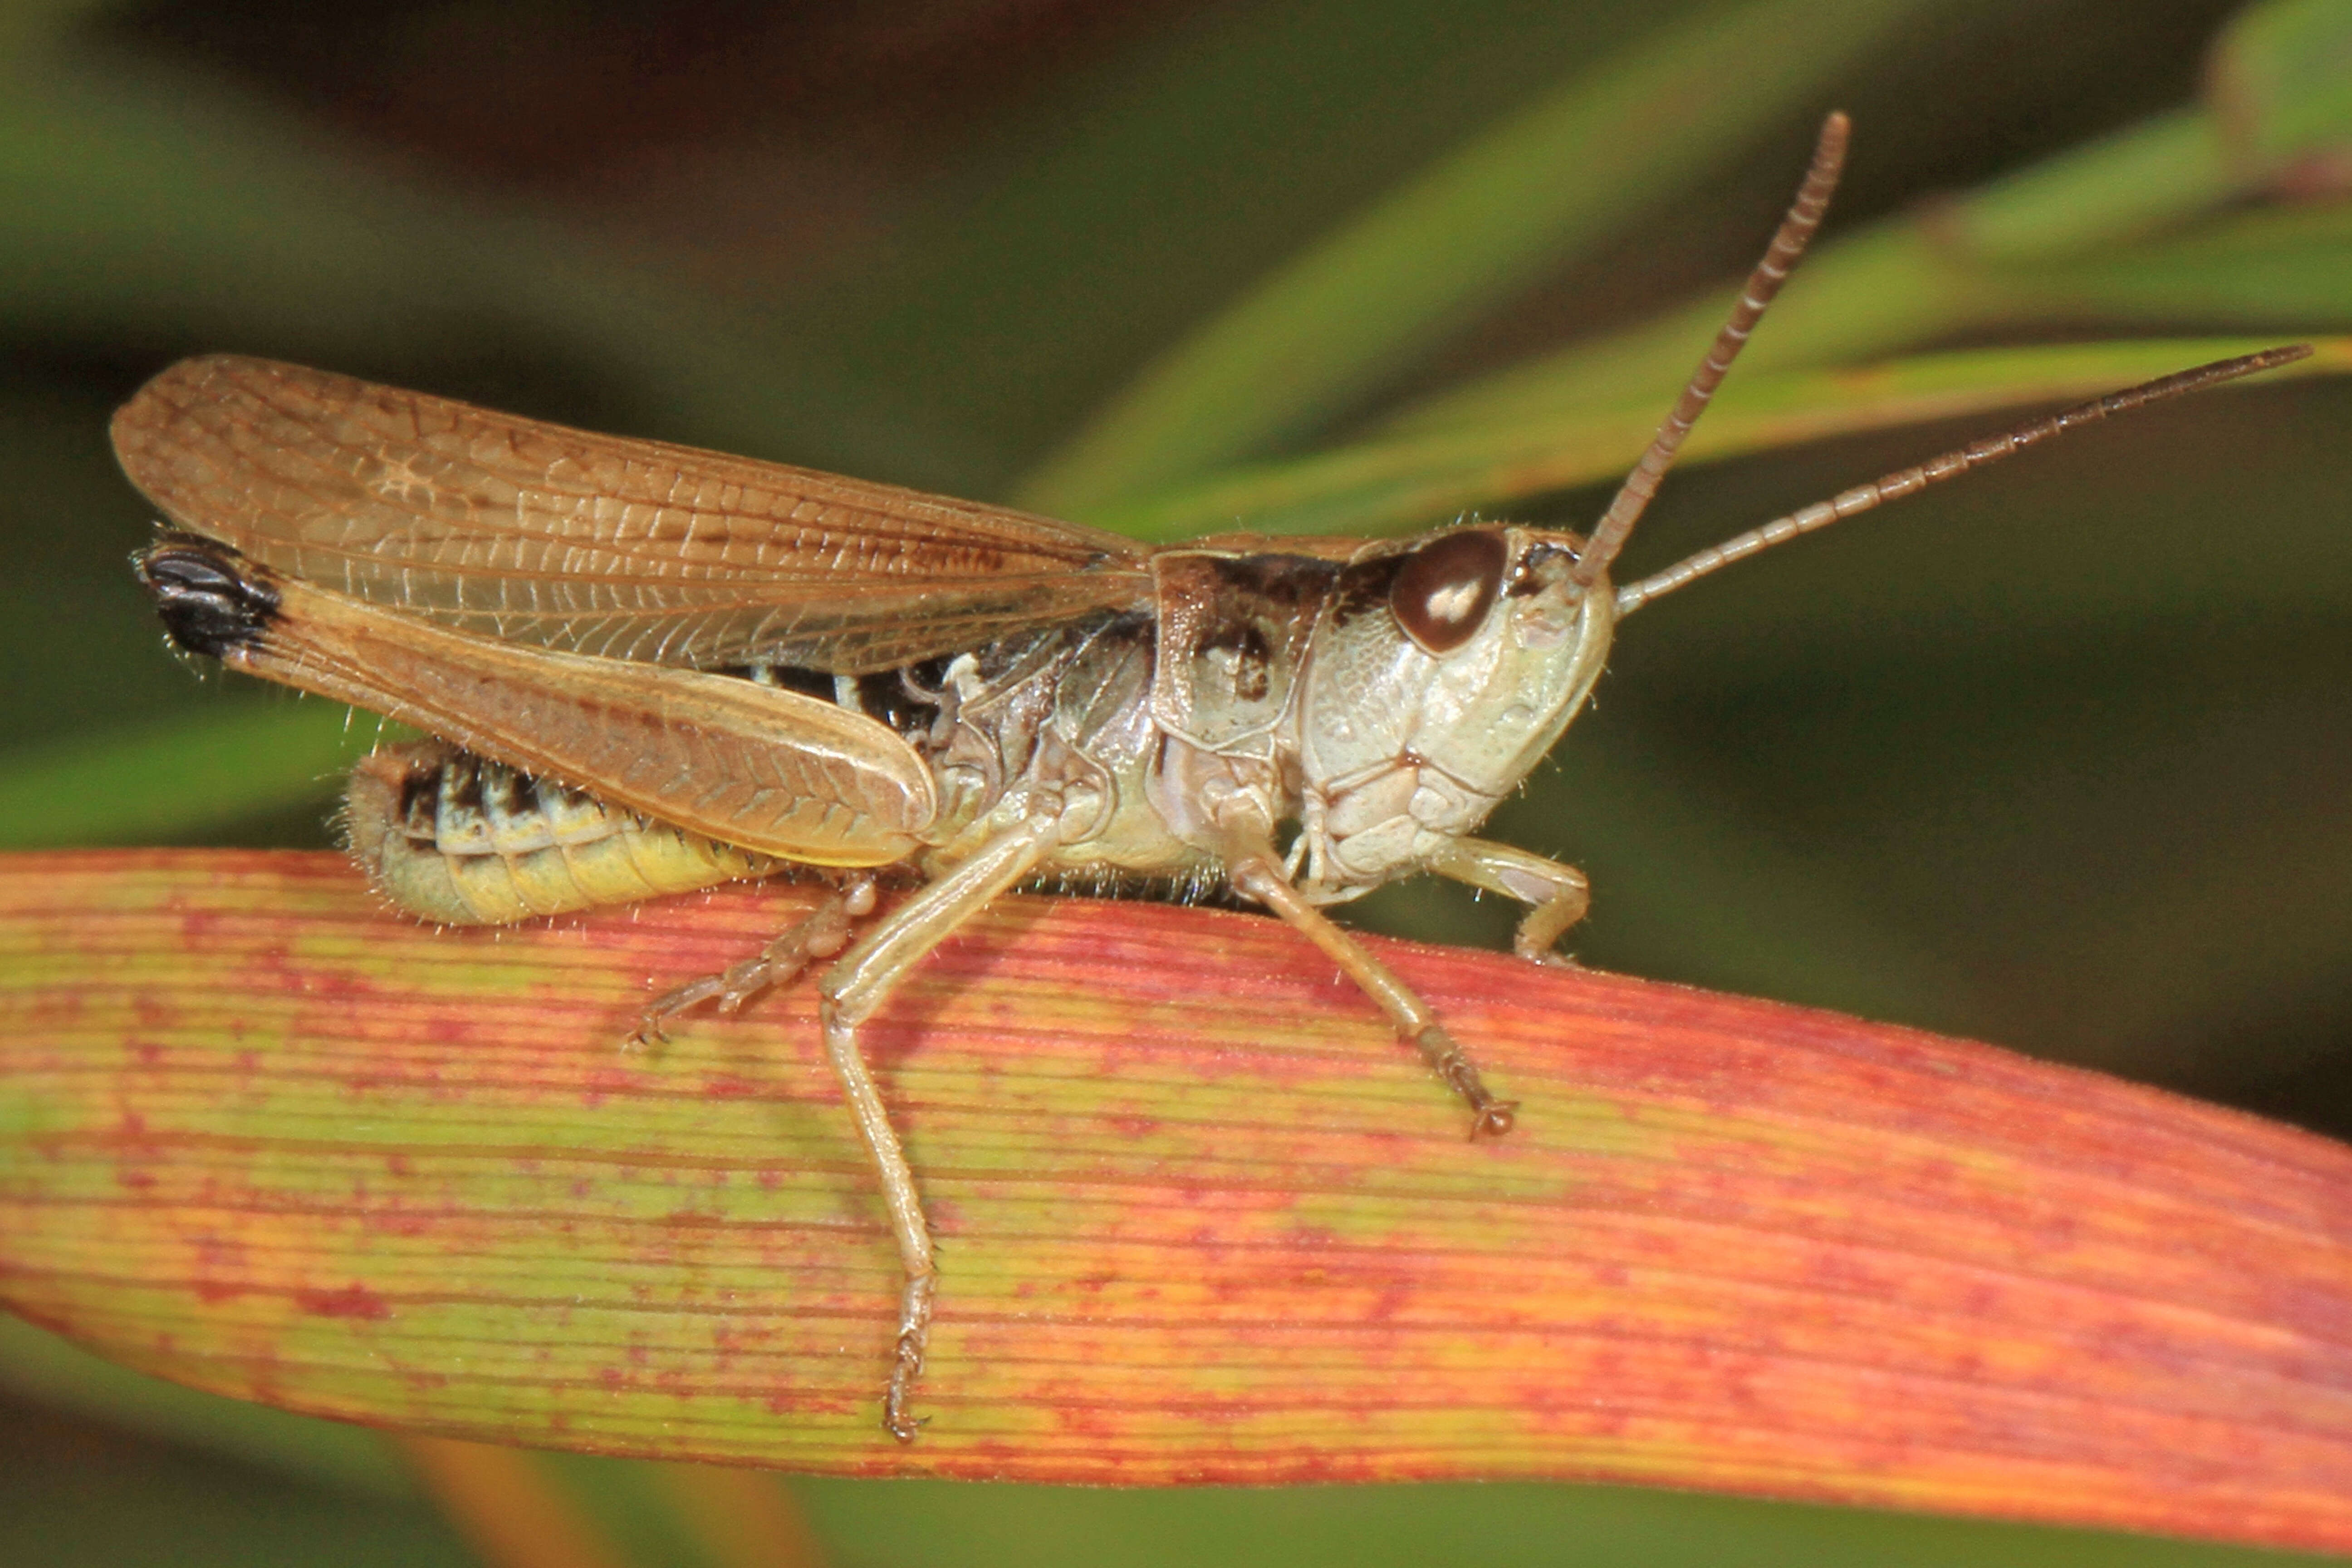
pixel 459 838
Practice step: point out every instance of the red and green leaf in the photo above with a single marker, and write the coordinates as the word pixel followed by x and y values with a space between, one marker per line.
pixel 1201 1218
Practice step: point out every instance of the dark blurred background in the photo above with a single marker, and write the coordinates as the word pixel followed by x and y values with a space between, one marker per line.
pixel 2059 758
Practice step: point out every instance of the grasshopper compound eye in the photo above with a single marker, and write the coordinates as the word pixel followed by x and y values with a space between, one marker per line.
pixel 1443 590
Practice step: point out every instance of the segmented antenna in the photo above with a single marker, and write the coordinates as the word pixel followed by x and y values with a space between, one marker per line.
pixel 1779 259
pixel 1949 465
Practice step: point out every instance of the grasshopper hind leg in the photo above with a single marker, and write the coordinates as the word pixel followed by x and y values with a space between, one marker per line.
pixel 859 981
pixel 850 993
pixel 821 934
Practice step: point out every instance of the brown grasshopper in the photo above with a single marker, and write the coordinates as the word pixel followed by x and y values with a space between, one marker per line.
pixel 654 668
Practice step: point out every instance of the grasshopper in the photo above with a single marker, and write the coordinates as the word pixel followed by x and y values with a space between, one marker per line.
pixel 652 669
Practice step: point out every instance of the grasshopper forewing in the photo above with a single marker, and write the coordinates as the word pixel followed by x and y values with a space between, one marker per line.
pixel 651 668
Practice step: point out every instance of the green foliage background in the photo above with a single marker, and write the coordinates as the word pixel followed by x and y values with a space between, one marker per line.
pixel 2056 758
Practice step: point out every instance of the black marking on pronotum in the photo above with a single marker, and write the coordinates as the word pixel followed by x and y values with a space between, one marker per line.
pixel 1286 582
pixel 1363 586
pixel 212 600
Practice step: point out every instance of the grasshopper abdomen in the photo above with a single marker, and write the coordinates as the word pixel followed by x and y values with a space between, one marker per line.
pixel 462 840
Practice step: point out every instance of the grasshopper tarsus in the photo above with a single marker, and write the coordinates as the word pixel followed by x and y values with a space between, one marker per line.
pixel 1494 1118
pixel 648 1035
pixel 822 933
pixel 652 1031
pixel 914 1334
pixel 1490 1117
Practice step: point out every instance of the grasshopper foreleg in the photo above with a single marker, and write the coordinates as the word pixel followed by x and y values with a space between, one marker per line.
pixel 849 993
pixel 823 932
pixel 1557 895
pixel 1259 876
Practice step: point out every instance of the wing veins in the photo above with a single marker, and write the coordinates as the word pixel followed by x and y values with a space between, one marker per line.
pixel 635 548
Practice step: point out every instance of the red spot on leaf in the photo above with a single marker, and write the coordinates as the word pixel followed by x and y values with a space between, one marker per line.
pixel 353 1300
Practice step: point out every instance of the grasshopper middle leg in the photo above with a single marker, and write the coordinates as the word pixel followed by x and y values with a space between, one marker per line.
pixel 1259 876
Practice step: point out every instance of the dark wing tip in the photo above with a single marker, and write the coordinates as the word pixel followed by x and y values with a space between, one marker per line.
pixel 213 601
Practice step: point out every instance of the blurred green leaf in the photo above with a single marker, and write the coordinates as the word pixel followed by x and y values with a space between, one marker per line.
pixel 1385 486
pixel 510 1506
pixel 165 781
pixel 1492 1526
pixel 73 1495
pixel 2139 181
pixel 155 203
pixel 1155 186
pixel 1545 185
pixel 351 1459
pixel 692 1516
pixel 2282 80
pixel 2038 245
pixel 1676 871
pixel 2285 265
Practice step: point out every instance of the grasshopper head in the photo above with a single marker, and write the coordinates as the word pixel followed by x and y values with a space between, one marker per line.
pixel 1443 669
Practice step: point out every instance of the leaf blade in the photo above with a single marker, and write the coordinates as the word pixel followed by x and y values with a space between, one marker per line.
pixel 1540 187
pixel 1202 1220
pixel 1390 484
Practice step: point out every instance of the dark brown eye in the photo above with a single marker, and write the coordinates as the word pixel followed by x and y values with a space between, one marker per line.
pixel 1445 589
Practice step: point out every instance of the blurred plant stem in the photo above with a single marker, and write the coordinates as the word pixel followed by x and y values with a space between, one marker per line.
pixel 507 1506
pixel 742 1519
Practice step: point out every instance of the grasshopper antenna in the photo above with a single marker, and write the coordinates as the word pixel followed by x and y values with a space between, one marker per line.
pixel 1949 465
pixel 1788 243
